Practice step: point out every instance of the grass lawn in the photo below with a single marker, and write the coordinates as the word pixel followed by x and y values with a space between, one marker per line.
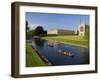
pixel 73 40
pixel 32 58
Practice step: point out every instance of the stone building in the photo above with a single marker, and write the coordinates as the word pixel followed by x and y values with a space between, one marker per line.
pixel 61 32
pixel 52 31
pixel 81 29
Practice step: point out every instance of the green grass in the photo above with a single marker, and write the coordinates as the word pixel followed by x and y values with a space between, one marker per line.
pixel 73 40
pixel 32 58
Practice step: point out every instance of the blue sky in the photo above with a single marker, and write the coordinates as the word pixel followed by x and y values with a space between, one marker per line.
pixel 55 21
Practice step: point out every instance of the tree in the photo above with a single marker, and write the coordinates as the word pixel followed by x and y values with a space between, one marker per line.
pixel 45 32
pixel 86 32
pixel 39 30
pixel 27 28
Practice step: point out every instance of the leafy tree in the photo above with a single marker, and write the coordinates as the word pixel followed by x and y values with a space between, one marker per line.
pixel 86 32
pixel 27 28
pixel 45 32
pixel 39 30
pixel 28 33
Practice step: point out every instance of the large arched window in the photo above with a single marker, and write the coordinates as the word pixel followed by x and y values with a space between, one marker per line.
pixel 81 28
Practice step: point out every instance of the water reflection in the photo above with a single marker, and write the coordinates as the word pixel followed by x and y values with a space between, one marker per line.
pixel 39 42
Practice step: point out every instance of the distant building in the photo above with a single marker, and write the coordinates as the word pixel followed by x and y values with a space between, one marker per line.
pixel 81 29
pixel 52 31
pixel 61 32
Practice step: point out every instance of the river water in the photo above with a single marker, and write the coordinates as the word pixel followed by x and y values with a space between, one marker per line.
pixel 80 54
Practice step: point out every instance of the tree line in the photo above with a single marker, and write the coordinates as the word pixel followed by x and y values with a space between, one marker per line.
pixel 38 31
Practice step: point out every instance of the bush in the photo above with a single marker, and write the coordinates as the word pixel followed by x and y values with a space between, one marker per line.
pixel 87 33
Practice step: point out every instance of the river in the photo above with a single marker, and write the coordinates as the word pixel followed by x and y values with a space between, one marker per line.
pixel 80 55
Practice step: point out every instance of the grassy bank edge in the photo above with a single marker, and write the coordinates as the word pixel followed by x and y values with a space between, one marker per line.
pixel 32 58
pixel 85 46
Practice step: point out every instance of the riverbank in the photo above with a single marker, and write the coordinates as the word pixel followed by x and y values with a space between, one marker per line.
pixel 72 40
pixel 42 57
pixel 32 58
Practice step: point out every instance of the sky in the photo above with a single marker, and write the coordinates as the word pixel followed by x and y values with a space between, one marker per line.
pixel 55 21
